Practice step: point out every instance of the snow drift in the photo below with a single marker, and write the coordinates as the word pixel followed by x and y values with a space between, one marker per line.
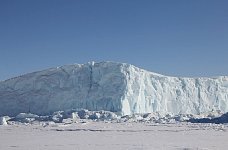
pixel 111 86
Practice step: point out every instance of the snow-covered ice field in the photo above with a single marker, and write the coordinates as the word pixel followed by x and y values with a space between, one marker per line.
pixel 124 107
pixel 93 135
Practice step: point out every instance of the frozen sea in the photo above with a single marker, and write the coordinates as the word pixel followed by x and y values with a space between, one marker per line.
pixel 92 135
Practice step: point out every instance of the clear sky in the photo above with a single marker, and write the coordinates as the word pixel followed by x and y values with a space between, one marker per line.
pixel 177 38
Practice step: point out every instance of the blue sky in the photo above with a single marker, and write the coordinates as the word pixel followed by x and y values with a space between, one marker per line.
pixel 177 38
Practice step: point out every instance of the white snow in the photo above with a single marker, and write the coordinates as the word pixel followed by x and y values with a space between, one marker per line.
pixel 111 86
pixel 113 136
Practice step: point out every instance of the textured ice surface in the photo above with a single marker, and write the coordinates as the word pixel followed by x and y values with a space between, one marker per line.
pixel 3 121
pixel 115 87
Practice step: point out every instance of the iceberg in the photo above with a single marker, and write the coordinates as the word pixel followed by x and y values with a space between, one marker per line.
pixel 111 86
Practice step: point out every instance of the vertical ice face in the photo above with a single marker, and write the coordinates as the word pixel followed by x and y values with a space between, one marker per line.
pixel 111 86
pixel 94 86
pixel 151 92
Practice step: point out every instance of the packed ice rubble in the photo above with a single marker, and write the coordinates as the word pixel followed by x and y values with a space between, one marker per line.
pixel 3 121
pixel 116 87
pixel 83 116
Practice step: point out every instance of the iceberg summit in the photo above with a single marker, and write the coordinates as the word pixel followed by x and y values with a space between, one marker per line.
pixel 111 86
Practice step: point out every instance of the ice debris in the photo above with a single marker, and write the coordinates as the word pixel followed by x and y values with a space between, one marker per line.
pixel 83 115
pixel 3 121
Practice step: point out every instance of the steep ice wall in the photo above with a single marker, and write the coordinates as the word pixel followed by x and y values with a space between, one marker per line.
pixel 93 86
pixel 150 92
pixel 111 86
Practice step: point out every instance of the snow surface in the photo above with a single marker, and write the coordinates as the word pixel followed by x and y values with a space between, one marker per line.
pixel 114 136
pixel 117 87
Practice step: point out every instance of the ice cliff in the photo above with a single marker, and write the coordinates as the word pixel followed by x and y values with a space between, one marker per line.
pixel 111 86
